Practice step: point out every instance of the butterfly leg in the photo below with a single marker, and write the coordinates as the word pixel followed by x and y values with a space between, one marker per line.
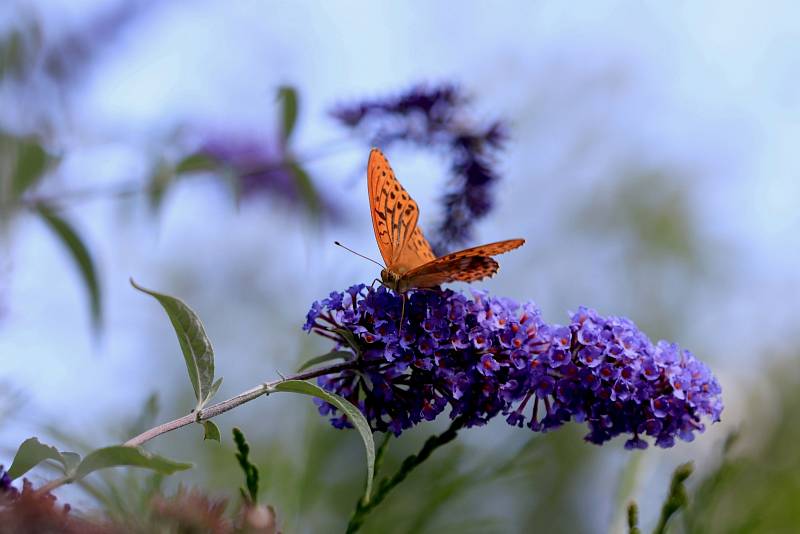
pixel 372 285
pixel 402 314
pixel 403 306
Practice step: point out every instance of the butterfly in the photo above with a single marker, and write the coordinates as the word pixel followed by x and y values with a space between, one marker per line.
pixel 407 255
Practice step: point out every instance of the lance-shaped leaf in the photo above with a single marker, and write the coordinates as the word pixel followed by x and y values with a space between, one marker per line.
pixel 195 345
pixel 352 412
pixel 31 163
pixel 122 455
pixel 161 177
pixel 332 355
pixel 349 338
pixel 305 186
pixel 32 452
pixel 197 162
pixel 289 109
pixel 80 255
pixel 214 388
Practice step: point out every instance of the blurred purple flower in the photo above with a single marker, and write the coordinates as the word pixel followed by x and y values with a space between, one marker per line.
pixel 436 117
pixel 259 166
pixel 5 483
pixel 486 356
pixel 263 167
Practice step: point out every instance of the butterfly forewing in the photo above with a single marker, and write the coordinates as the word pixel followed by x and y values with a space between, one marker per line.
pixel 407 254
pixel 490 249
pixel 416 252
pixel 394 212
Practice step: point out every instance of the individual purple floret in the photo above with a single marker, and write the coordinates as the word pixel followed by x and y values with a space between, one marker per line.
pixel 484 356
pixel 437 117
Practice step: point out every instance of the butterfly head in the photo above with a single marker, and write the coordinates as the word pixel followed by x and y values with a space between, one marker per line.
pixel 390 279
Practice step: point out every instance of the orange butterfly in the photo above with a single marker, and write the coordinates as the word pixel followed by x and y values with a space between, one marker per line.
pixel 409 259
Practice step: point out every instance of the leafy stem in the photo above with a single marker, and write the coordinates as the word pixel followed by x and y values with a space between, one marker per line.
pixel 364 506
pixel 676 498
pixel 221 407
pixel 130 189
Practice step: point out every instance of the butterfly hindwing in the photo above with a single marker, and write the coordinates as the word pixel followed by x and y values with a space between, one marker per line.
pixel 468 265
pixel 443 270
pixel 409 259
pixel 394 212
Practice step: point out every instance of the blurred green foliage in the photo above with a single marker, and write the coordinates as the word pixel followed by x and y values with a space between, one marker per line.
pixel 756 487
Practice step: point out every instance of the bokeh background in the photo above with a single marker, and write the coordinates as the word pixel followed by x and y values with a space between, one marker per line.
pixel 651 165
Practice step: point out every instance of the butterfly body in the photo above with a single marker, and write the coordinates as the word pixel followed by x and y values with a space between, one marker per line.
pixel 392 280
pixel 409 259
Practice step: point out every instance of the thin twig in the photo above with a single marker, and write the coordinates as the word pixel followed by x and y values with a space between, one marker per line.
pixel 221 407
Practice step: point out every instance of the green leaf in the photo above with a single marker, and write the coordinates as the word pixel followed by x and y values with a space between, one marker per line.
pixel 195 345
pixel 160 180
pixel 214 388
pixel 80 255
pixel 121 455
pixel 197 162
pixel 211 431
pixel 32 452
pixel 31 163
pixel 351 340
pixel 353 414
pixel 289 109
pixel 332 355
pixel 305 186
pixel 71 461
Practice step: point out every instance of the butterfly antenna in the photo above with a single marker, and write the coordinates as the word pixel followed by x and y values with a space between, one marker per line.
pixel 357 254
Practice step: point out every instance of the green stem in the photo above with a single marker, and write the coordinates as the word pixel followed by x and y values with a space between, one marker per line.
pixel 633 518
pixel 381 453
pixel 677 497
pixel 53 484
pixel 363 507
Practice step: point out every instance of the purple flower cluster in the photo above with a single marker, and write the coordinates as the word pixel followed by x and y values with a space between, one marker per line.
pixel 437 117
pixel 485 356
pixel 259 166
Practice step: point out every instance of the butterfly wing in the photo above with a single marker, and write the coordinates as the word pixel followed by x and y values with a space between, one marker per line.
pixel 416 252
pixel 468 265
pixel 444 270
pixel 490 249
pixel 394 212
